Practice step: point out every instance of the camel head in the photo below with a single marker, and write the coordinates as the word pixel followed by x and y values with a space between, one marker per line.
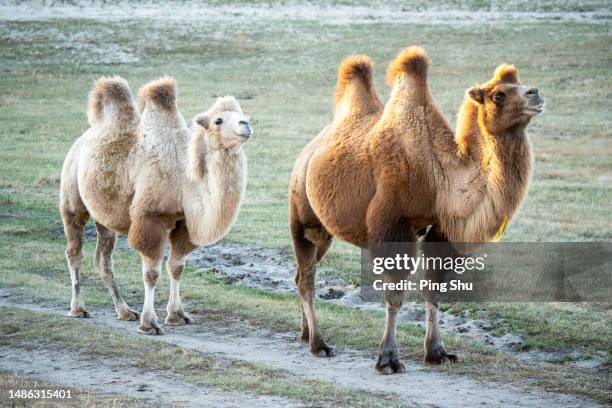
pixel 224 124
pixel 504 103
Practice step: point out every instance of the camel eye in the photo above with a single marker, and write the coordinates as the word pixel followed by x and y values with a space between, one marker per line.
pixel 499 97
pixel 219 121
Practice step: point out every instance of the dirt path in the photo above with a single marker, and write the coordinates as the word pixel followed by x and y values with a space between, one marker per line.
pixel 270 270
pixel 420 386
pixel 112 376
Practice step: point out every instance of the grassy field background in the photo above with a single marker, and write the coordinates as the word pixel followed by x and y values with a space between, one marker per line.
pixel 282 69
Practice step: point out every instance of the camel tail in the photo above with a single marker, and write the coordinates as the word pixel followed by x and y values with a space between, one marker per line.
pixel 355 73
pixel 412 62
pixel 111 99
pixel 160 93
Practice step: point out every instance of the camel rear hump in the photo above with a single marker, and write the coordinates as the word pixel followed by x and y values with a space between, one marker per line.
pixel 111 101
pixel 355 90
pixel 407 74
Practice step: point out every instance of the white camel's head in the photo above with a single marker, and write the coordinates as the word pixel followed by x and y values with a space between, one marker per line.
pixel 224 124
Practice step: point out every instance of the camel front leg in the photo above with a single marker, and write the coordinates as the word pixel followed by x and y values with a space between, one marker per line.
pixel 435 245
pixel 435 353
pixel 151 269
pixel 388 354
pixel 385 233
pixel 147 235
pixel 176 314
pixel 180 247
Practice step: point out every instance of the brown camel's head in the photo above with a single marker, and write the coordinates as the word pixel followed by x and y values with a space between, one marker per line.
pixel 504 103
pixel 225 126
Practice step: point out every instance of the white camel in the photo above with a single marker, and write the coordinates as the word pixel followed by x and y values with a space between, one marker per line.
pixel 147 175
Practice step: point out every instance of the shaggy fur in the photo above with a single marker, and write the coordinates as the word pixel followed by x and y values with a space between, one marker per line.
pixel 161 92
pixel 355 89
pixel 149 176
pixel 413 61
pixel 380 175
pixel 110 99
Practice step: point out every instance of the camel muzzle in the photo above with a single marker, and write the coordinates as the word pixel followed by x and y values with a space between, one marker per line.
pixel 535 102
pixel 245 130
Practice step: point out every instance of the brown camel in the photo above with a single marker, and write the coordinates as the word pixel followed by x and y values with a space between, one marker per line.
pixel 149 176
pixel 381 173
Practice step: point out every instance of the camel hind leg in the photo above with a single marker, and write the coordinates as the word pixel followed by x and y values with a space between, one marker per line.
pixel 74 225
pixel 310 244
pixel 323 242
pixel 104 264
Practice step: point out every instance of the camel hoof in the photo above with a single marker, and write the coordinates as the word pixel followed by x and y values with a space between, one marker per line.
pixel 179 318
pixel 329 352
pixel 439 356
pixel 81 312
pixel 391 368
pixel 321 349
pixel 389 363
pixel 150 330
pixel 128 314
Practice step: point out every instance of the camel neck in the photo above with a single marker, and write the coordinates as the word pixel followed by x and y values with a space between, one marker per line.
pixel 491 187
pixel 212 203
pixel 505 158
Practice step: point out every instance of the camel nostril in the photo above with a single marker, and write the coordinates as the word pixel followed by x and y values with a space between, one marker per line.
pixel 243 123
pixel 532 91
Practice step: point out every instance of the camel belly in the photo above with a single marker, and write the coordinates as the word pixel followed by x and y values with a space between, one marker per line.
pixel 106 196
pixel 339 195
pixel 109 210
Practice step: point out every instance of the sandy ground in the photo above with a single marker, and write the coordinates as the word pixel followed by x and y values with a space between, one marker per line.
pixel 111 376
pixel 236 339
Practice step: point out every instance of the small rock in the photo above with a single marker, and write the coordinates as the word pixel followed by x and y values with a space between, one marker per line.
pixel 237 262
pixel 487 326
pixel 230 280
pixel 331 293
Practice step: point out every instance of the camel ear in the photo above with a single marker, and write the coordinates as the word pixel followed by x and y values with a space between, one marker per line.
pixel 506 73
pixel 477 94
pixel 203 120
